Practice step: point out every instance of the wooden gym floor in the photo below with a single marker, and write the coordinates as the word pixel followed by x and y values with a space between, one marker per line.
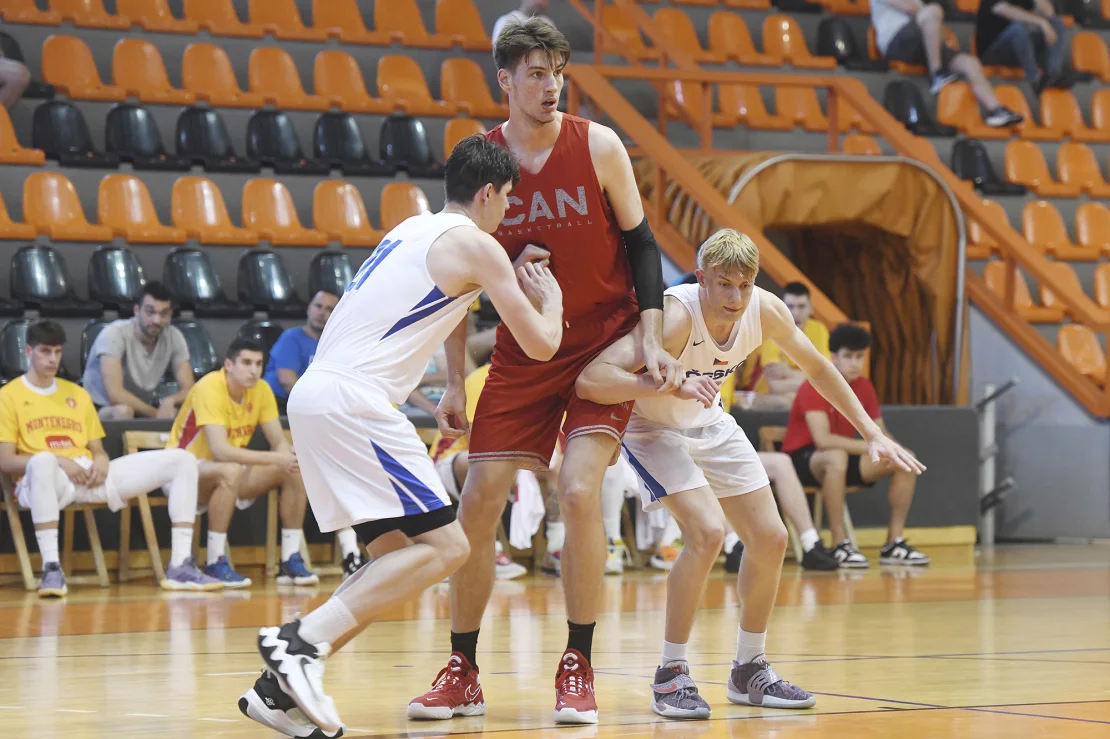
pixel 1014 644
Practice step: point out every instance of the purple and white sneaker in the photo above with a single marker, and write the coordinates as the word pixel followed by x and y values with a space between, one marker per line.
pixel 187 576
pixel 675 695
pixel 756 684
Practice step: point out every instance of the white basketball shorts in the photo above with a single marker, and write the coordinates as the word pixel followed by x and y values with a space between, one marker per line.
pixel 360 457
pixel 669 460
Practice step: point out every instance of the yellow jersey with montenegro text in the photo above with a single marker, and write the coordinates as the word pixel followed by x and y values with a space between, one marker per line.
pixel 210 402
pixel 61 419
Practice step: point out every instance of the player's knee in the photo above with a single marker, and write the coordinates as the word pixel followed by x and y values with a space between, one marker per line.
pixel 930 14
pixel 705 537
pixel 578 499
pixel 454 548
pixel 771 540
pixel 835 461
pixel 43 463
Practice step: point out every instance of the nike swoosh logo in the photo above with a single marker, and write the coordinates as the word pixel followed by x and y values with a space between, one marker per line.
pixel 471 693
pixel 699 343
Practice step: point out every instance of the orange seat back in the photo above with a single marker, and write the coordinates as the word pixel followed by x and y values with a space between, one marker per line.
pixel 77 10
pixel 276 15
pixel 400 78
pixel 729 35
pixel 1064 271
pixel 743 101
pixel 213 14
pixel 459 18
pixel 1092 225
pixel 799 104
pixel 1060 110
pixel 1102 285
pixel 137 66
pixel 956 106
pixel 1025 164
pixel 1080 347
pixel 675 26
pixel 458 129
pixel 1100 110
pixel 145 10
pixel 400 16
pixel 618 22
pixel 67 62
pixel 335 16
pixel 337 76
pixel 1014 99
pixel 268 206
pixel 975 232
pixel 1043 226
pixel 50 199
pixel 783 38
pixel 206 70
pixel 1076 163
pixel 337 208
pixel 995 276
pixel 401 200
pixel 272 71
pixel 461 81
pixel 855 143
pixel 197 204
pixel 1089 54
pixel 124 202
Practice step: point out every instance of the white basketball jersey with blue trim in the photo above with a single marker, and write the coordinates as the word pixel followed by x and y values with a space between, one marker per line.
pixel 704 356
pixel 392 318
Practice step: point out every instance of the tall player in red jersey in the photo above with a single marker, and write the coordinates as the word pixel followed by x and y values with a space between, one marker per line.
pixel 578 207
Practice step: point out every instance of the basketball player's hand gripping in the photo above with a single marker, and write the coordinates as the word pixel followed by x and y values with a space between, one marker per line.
pixel 880 447
pixel 700 388
pixel 539 286
pixel 533 254
pixel 75 472
pixel 451 413
pixel 98 473
pixel 664 369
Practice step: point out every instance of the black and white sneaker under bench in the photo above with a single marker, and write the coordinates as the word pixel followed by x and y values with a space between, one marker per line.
pixel 299 669
pixel 849 557
pixel 272 707
pixel 901 553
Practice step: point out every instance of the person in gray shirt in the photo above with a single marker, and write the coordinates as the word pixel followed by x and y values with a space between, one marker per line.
pixel 131 356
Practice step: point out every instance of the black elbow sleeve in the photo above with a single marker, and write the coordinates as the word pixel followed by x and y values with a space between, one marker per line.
pixel 647 269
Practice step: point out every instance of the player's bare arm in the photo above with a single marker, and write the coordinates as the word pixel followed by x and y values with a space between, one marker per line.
pixel 614 171
pixel 222 451
pixel 615 375
pixel 11 462
pixel 275 437
pixel 778 325
pixel 450 414
pixel 98 473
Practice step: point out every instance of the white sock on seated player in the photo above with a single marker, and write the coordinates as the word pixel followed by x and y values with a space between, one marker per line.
pixel 290 543
pixel 809 539
pixel 217 545
pixel 48 544
pixel 181 545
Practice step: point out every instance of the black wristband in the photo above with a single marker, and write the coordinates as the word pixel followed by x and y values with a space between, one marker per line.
pixel 644 261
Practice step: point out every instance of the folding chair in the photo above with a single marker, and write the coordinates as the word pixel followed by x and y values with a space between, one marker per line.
pixel 140 441
pixel 272 524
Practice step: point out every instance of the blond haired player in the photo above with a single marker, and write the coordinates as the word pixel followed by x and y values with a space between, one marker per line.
pixel 216 423
pixel 50 442
pixel 694 460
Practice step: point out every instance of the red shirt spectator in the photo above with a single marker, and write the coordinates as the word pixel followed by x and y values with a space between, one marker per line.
pixel 808 399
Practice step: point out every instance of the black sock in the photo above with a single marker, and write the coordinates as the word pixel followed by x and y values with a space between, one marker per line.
pixel 466 644
pixel 581 638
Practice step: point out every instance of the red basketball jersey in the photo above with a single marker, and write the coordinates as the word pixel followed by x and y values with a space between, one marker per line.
pixel 564 210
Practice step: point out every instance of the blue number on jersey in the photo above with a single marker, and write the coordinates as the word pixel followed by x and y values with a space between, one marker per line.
pixel 372 263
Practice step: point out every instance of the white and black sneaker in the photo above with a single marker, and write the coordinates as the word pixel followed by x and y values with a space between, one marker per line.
pixel 352 563
pixel 849 557
pixel 272 707
pixel 941 80
pixel 299 669
pixel 901 553
pixel 1002 117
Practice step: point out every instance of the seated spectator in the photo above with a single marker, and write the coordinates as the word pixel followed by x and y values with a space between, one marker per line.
pixel 293 351
pixel 910 31
pixel 828 454
pixel 1022 33
pixel 528 9
pixel 14 78
pixel 131 356
pixel 216 423
pixel 50 443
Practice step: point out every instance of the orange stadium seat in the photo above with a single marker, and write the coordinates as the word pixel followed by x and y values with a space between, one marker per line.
pixel 462 82
pixel 124 205
pixel 1076 165
pixel 458 129
pixel 268 210
pixel 88 14
pixel 857 144
pixel 729 36
pixel 26 11
pixel 401 21
pixel 745 103
pixel 137 67
pixel 459 22
pixel 848 118
pixel 1102 285
pixel 677 28
pixel 1081 348
pixel 690 98
pixel 341 19
pixel 623 28
pixel 950 41
pixel 402 85
pixel 994 273
pixel 338 79
pixel 783 39
pixel 273 74
pixel 1025 165
pixel 800 105
pixel 696 3
pixel 219 18
pixel 967 6
pixel 1064 271
pixel 1014 99
pixel 281 19
pixel 1044 228
pixel 748 4
pixel 956 106
pixel 400 200
pixel 1060 110
pixel 51 205
pixel 68 64
pixel 1100 111
pixel 154 15
pixel 1089 54
pixel 1092 226
pixel 980 244
pixel 13 230
pixel 10 150
pixel 206 72
pixel 198 207
pixel 338 211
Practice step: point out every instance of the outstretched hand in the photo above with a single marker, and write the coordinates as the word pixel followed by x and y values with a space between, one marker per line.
pixel 881 447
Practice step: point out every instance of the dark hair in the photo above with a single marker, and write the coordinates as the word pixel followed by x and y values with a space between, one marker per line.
pixel 46 333
pixel 476 162
pixel 326 292
pixel 156 290
pixel 849 336
pixel 241 345
pixel 517 40
pixel 796 288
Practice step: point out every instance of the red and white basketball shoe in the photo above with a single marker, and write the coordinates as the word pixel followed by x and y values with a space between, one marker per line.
pixel 574 690
pixel 457 691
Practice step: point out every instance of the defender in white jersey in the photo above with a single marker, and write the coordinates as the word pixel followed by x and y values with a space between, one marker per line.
pixel 694 460
pixel 362 461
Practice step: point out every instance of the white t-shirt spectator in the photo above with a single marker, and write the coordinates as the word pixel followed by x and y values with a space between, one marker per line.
pixel 515 15
pixel 888 21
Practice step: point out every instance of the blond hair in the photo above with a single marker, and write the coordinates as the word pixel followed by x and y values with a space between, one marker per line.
pixel 730 251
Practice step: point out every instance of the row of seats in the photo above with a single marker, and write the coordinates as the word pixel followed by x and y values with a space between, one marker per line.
pixel 207 75
pixel 131 135
pixel 1050 309
pixel 1060 114
pixel 125 210
pixel 1044 228
pixel 1077 170
pixel 457 22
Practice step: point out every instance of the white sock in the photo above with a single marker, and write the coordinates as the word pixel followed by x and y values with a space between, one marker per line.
pixel 556 535
pixel 612 528
pixel 181 544
pixel 809 538
pixel 497 548
pixel 328 623
pixel 48 544
pixel 290 543
pixel 749 645
pixel 731 540
pixel 348 541
pixel 217 544
pixel 672 653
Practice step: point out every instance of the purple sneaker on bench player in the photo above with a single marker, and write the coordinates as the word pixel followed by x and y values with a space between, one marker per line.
pixel 756 684
pixel 187 576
